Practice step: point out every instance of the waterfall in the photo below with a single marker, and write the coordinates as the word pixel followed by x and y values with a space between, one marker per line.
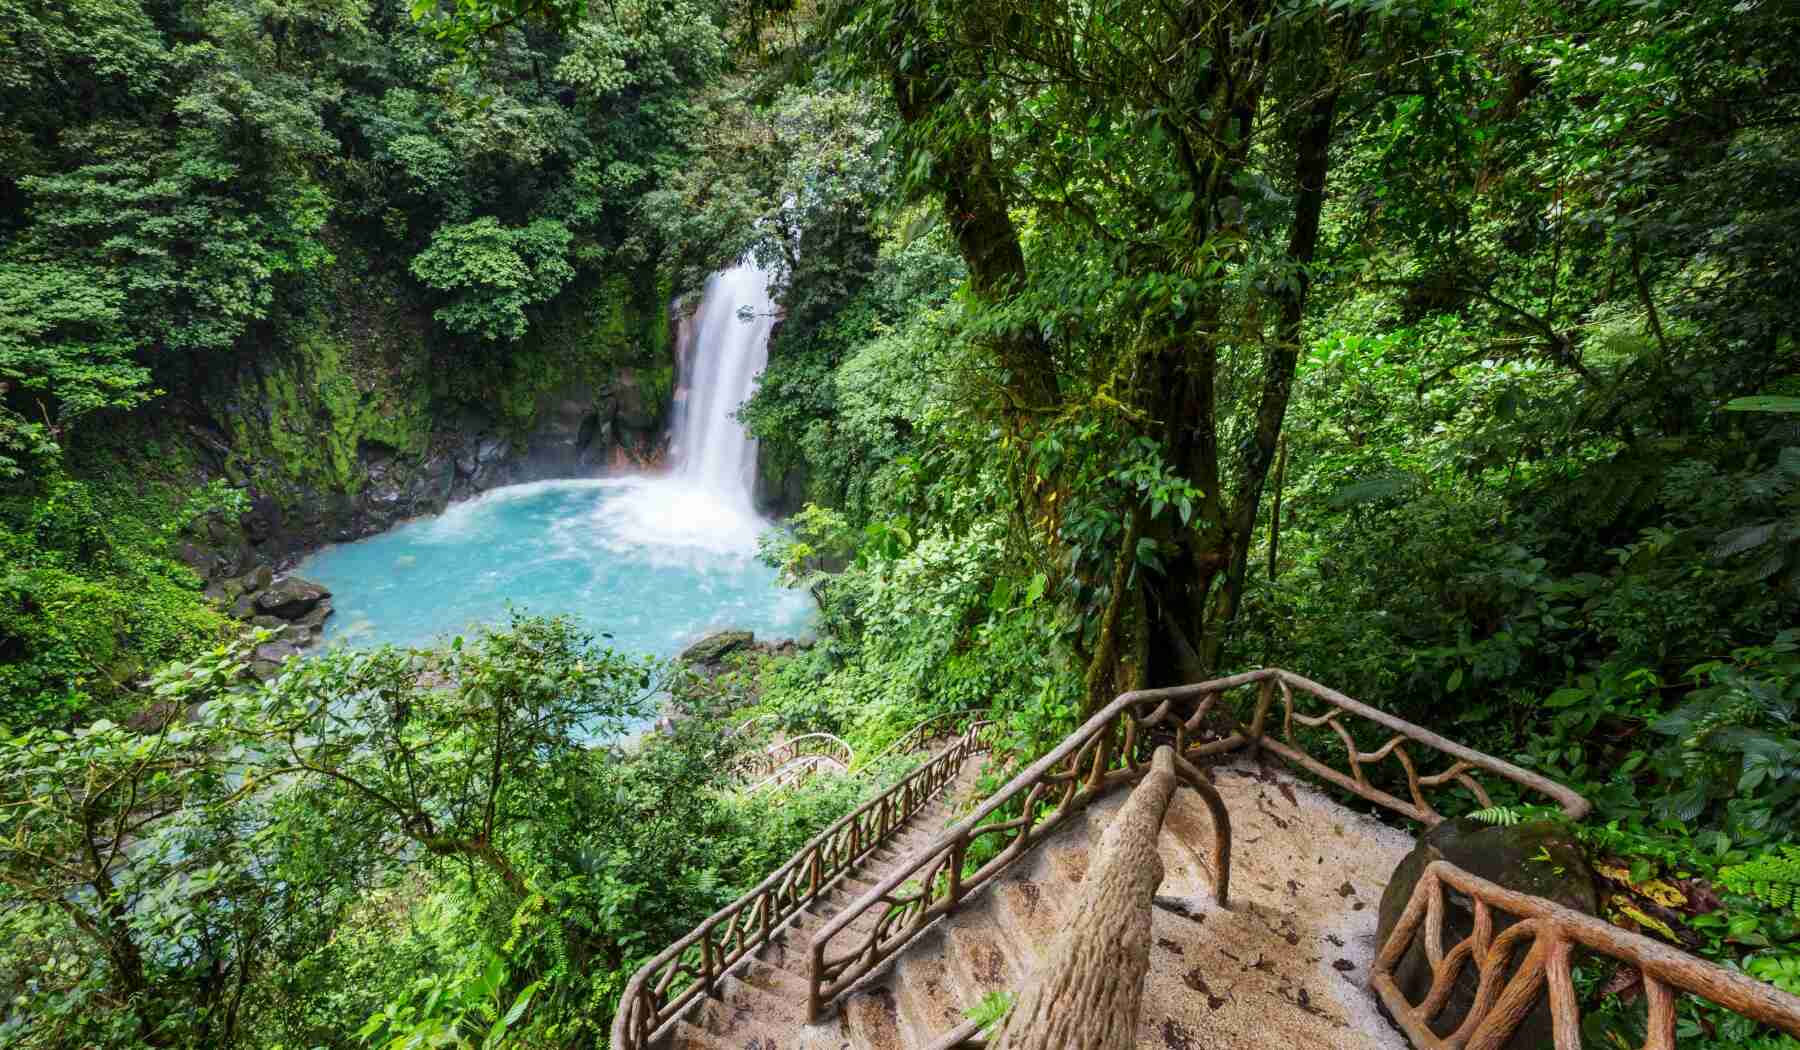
pixel 711 449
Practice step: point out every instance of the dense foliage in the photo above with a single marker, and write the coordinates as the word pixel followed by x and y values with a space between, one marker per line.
pixel 1443 352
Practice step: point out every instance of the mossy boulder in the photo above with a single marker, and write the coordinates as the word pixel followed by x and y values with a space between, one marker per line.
pixel 1539 857
pixel 716 646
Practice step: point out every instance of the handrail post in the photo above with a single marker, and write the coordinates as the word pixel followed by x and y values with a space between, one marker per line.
pixel 706 964
pixel 1265 697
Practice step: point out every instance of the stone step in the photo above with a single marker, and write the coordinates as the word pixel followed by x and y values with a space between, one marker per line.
pixel 773 979
pixel 869 1019
pixel 930 996
pixel 685 1036
pixel 983 954
pixel 740 1006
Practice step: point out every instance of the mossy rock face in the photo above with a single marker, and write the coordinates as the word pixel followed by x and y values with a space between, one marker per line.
pixel 1538 857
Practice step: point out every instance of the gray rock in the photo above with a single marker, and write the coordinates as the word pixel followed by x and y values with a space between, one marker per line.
pixel 716 646
pixel 256 579
pixel 273 623
pixel 291 598
pixel 632 409
pixel 276 652
pixel 266 662
pixel 315 618
pixel 1538 857
pixel 244 606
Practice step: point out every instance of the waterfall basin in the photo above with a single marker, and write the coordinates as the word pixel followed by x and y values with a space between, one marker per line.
pixel 654 562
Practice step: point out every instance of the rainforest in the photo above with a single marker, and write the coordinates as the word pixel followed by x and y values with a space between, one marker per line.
pixel 446 449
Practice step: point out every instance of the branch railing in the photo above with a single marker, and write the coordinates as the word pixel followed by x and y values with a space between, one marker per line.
pixel 937 727
pixel 1465 763
pixel 1111 748
pixel 760 765
pixel 661 988
pixel 794 773
pixel 1548 934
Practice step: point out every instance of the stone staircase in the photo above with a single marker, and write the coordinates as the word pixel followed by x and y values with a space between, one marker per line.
pixel 1285 966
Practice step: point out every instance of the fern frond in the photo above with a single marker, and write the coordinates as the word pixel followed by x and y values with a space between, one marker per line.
pixel 1498 816
pixel 1370 490
pixel 1773 878
pixel 1739 540
pixel 991 1010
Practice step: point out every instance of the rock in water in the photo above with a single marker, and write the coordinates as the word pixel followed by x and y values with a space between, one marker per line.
pixel 716 646
pixel 1538 857
pixel 291 598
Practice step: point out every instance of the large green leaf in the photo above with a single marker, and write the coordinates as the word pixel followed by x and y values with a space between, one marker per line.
pixel 1763 403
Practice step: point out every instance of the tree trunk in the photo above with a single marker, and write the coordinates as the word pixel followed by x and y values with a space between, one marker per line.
pixel 1087 993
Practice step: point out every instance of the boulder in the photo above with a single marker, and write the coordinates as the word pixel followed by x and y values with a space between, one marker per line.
pixel 266 662
pixel 1539 857
pixel 716 646
pixel 256 579
pixel 291 598
pixel 315 618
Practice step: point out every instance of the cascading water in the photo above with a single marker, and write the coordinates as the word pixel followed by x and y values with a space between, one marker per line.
pixel 711 448
pixel 652 561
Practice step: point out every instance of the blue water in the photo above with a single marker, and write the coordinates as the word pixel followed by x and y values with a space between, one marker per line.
pixel 655 562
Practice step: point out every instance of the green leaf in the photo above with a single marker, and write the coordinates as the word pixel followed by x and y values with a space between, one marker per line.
pixel 1455 682
pixel 1763 403
pixel 1565 697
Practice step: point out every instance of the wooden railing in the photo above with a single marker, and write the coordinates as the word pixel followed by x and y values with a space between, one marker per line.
pixel 937 727
pixel 1109 750
pixel 1462 770
pixel 1548 933
pixel 795 773
pixel 760 765
pixel 663 986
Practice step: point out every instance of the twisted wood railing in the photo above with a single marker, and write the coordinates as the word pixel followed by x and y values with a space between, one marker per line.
pixel 1548 933
pixel 663 986
pixel 794 773
pixel 1110 749
pixel 937 727
pixel 760 765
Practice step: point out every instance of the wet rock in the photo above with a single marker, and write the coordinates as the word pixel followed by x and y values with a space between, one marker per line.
pixel 1537 857
pixel 716 646
pixel 273 623
pixel 256 579
pixel 314 619
pixel 291 598
pixel 244 606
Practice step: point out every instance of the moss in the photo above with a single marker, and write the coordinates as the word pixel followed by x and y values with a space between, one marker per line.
pixel 326 396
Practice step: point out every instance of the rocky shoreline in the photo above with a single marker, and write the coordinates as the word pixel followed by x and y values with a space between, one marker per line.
pixel 292 608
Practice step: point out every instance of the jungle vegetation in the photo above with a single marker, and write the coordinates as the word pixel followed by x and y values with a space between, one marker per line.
pixel 1442 351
